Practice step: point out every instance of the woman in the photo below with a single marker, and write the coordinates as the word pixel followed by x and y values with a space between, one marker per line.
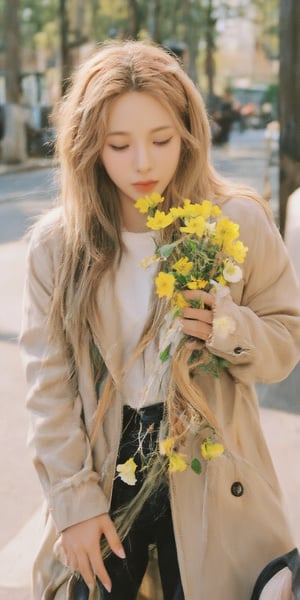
pixel 134 124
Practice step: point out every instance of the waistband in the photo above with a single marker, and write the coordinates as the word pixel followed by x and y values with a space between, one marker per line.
pixel 148 414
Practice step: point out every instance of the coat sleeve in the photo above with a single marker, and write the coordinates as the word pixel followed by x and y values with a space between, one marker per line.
pixel 260 338
pixel 62 454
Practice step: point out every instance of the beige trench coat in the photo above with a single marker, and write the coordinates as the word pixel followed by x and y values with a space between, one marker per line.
pixel 225 533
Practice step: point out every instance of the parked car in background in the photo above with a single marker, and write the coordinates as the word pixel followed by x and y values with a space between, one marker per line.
pixel 256 106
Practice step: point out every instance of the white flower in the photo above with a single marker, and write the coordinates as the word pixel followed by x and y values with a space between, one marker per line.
pixel 127 470
pixel 223 326
pixel 232 272
pixel 210 228
pixel 219 290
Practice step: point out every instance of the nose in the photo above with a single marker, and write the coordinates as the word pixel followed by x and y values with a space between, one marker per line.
pixel 143 158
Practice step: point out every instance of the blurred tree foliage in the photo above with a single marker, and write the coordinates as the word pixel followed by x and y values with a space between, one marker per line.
pixel 267 20
pixel 190 24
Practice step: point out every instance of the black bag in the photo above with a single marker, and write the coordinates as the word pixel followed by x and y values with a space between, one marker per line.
pixel 78 590
pixel 292 561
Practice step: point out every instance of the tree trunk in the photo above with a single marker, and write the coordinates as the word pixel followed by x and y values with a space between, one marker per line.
pixel 12 51
pixel 66 63
pixel 210 55
pixel 289 103
pixel 156 18
pixel 133 18
pixel 13 145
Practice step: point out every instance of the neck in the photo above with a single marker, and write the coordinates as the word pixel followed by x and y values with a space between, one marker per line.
pixel 134 221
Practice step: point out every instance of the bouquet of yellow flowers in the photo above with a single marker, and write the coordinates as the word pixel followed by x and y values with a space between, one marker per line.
pixel 204 254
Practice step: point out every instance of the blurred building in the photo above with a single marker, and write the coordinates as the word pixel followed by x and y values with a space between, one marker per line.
pixel 244 58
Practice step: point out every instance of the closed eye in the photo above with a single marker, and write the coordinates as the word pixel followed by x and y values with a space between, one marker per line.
pixel 117 148
pixel 163 142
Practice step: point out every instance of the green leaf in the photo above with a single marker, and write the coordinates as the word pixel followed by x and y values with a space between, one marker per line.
pixel 196 466
pixel 164 355
pixel 166 250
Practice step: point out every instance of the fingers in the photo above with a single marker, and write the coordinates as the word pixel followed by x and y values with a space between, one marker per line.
pixel 208 299
pixel 86 570
pixel 112 537
pixel 197 322
pixel 81 546
pixel 96 562
pixel 198 314
pixel 195 328
pixel 98 568
pixel 109 531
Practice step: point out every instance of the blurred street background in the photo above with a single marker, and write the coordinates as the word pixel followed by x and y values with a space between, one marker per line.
pixel 244 56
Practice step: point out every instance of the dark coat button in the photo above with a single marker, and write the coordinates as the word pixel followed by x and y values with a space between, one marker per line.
pixel 238 350
pixel 237 489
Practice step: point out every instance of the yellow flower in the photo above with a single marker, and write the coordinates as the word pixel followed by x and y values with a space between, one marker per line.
pixel 191 210
pixel 177 463
pixel 160 220
pixel 183 266
pixel 165 283
pixel 216 211
pixel 206 208
pixel 210 449
pixel 147 202
pixel 177 212
pixel 176 459
pixel 232 272
pixel 166 446
pixel 237 251
pixel 179 302
pixel 197 284
pixel 127 471
pixel 226 231
pixel 196 225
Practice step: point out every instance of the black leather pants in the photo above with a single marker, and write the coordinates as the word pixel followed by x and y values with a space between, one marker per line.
pixel 154 523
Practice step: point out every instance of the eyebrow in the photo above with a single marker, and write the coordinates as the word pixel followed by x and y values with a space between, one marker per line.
pixel 154 130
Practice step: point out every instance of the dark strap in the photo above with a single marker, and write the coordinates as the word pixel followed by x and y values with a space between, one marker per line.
pixel 77 589
pixel 292 561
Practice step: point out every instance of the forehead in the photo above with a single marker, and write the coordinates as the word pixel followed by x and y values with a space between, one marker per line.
pixel 138 110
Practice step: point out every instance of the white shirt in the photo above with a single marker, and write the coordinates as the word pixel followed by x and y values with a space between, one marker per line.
pixel 133 289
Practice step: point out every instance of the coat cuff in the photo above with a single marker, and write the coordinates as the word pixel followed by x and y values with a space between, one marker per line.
pixel 77 501
pixel 230 337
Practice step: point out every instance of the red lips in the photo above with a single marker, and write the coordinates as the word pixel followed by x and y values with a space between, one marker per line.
pixel 144 186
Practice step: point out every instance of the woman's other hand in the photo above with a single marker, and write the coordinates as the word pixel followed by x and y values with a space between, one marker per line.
pixel 80 544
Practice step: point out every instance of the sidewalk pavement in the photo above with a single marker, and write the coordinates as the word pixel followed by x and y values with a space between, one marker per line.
pixel 30 164
pixel 280 411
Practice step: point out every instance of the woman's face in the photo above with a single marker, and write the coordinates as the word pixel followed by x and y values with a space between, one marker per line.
pixel 141 151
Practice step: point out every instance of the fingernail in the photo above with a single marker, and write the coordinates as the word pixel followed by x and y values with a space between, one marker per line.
pixel 107 587
pixel 121 553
